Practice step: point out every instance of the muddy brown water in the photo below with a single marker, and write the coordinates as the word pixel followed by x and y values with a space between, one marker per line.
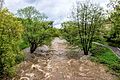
pixel 57 66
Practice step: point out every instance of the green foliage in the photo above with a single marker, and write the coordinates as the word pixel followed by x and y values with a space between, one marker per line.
pixel 100 33
pixel 37 30
pixel 115 21
pixel 49 34
pixel 70 32
pixel 55 32
pixel 10 35
pixel 31 13
pixel 105 56
pixel 85 26
pixel 23 44
pixel 20 58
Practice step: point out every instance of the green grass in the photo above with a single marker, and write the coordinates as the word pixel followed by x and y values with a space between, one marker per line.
pixel 107 57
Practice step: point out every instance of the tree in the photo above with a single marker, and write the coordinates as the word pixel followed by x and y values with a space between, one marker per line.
pixel 115 21
pixel 31 13
pixel 35 26
pixel 70 32
pixel 1 4
pixel 10 35
pixel 88 17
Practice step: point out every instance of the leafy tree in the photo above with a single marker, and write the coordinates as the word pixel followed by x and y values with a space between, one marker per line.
pixel 115 21
pixel 70 32
pixel 31 13
pixel 36 28
pixel 88 17
pixel 10 35
pixel 55 32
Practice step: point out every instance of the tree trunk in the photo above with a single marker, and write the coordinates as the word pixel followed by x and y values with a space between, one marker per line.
pixel 85 52
pixel 33 47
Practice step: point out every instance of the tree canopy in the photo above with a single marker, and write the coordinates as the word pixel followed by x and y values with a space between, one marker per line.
pixel 36 28
pixel 31 12
pixel 88 19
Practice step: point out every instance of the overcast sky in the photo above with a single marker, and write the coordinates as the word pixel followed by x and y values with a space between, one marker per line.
pixel 56 10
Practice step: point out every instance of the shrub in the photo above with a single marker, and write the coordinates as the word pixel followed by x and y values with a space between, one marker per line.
pixel 10 35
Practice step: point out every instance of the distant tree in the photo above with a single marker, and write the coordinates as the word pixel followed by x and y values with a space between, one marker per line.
pixel 70 32
pixel 1 4
pixel 31 13
pixel 115 21
pixel 113 3
pixel 10 35
pixel 35 26
pixel 88 17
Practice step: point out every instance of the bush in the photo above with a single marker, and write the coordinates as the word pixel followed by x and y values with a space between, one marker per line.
pixel 23 44
pixel 114 44
pixel 115 67
pixel 20 58
pixel 10 36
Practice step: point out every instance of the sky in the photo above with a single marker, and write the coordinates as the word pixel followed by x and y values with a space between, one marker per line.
pixel 56 10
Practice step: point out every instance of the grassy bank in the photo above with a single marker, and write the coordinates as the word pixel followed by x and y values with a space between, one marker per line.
pixel 107 57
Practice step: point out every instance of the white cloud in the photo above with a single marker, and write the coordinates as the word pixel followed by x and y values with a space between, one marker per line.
pixel 56 10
